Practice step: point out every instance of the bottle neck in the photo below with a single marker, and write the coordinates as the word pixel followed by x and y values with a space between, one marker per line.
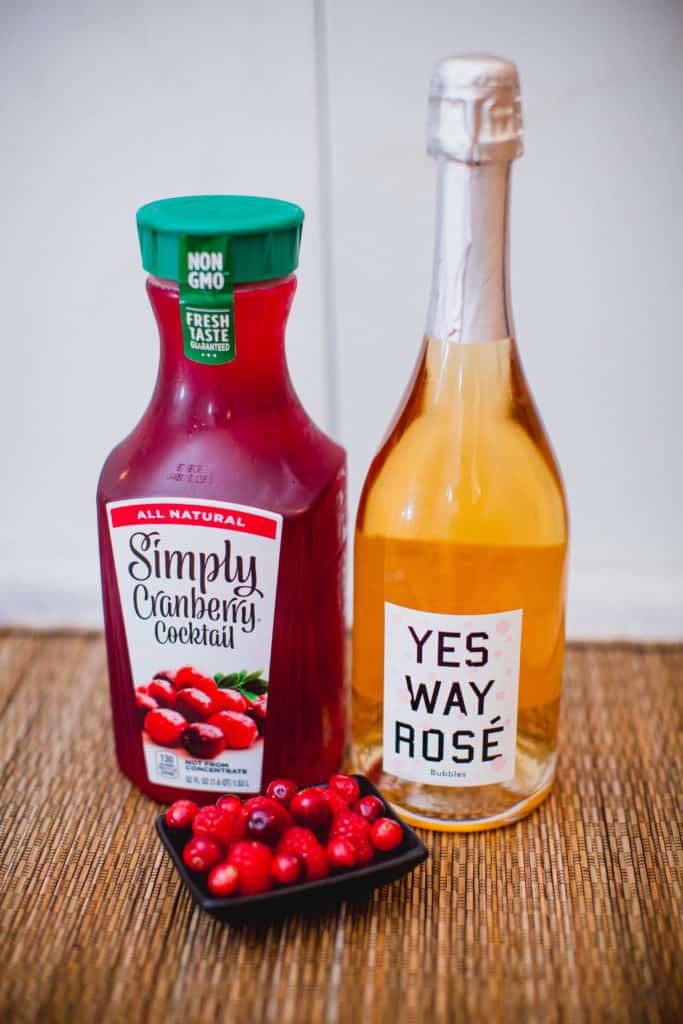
pixel 255 379
pixel 470 297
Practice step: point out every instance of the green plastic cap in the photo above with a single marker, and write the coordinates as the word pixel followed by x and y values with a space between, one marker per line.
pixel 265 234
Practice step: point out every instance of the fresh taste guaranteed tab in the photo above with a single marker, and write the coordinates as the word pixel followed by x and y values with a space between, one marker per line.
pixel 197 582
pixel 207 308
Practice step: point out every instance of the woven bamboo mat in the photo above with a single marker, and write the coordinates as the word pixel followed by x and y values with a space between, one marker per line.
pixel 571 915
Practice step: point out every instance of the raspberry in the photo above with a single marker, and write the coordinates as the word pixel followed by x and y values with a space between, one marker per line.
pixel 282 791
pixel 365 851
pixel 311 809
pixel 316 863
pixel 297 840
pixel 203 740
pixel 287 868
pixel 224 879
pixel 369 807
pixel 229 700
pixel 194 704
pixel 303 843
pixel 225 826
pixel 239 730
pixel 181 814
pixel 341 854
pixel 202 852
pixel 386 834
pixel 345 786
pixel 165 726
pixel 254 862
pixel 164 693
pixel 347 825
pixel 336 802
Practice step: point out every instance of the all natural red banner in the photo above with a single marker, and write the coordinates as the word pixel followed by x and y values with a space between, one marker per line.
pixel 219 517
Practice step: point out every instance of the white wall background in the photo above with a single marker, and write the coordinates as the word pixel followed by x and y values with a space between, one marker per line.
pixel 108 105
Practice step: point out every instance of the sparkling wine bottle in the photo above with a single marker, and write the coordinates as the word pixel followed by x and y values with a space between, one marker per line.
pixel 461 537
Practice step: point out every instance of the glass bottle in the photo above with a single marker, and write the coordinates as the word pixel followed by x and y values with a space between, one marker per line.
pixel 461 536
pixel 221 523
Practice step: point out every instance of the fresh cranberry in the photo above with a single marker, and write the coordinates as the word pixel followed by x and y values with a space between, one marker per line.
pixel 230 700
pixel 203 740
pixel 194 704
pixel 254 862
pixel 275 811
pixel 287 868
pixel 189 677
pixel 282 791
pixel 336 802
pixel 266 801
pixel 225 826
pixel 341 854
pixel 224 879
pixel 165 726
pixel 181 814
pixel 163 692
pixel 346 786
pixel 369 807
pixel 144 703
pixel 239 730
pixel 386 834
pixel 347 825
pixel 230 803
pixel 265 825
pixel 311 809
pixel 302 842
pixel 202 852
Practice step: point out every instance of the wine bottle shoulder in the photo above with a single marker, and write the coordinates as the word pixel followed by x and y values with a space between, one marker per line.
pixel 473 467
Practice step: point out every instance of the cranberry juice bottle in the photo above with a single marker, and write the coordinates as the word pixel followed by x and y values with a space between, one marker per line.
pixel 222 523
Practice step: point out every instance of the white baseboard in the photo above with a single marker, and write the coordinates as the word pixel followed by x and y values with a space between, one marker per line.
pixel 622 606
pixel 602 606
pixel 55 606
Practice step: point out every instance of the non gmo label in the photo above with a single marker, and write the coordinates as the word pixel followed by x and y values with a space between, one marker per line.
pixel 197 581
pixel 450 696
pixel 206 300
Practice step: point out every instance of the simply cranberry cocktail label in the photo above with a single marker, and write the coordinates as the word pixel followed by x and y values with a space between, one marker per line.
pixel 197 582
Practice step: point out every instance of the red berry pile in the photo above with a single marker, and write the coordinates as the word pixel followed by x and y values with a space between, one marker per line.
pixel 287 836
pixel 189 709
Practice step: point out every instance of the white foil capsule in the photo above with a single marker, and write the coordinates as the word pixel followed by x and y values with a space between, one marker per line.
pixel 475 113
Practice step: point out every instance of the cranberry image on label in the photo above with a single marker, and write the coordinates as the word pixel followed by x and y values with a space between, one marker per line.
pixel 197 582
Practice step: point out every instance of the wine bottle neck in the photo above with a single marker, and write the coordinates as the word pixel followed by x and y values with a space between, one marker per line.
pixel 470 297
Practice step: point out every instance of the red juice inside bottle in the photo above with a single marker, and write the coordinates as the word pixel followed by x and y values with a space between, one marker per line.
pixel 222 523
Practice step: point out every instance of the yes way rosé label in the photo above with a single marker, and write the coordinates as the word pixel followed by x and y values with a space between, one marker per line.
pixel 450 696
pixel 197 582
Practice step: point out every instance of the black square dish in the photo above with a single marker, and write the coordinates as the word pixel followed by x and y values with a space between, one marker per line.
pixel 354 884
